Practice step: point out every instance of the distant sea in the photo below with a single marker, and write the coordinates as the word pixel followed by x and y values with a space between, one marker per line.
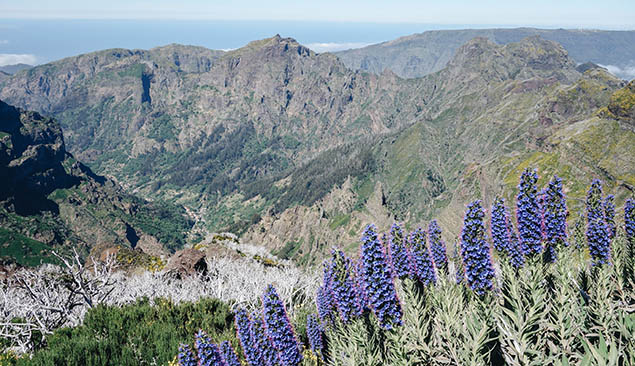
pixel 41 41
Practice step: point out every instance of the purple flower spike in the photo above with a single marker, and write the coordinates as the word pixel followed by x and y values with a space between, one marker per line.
pixel 528 213
pixel 250 348
pixel 208 352
pixel 515 253
pixel 229 355
pixel 459 270
pixel 555 219
pixel 609 215
pixel 437 247
pixel 423 268
pixel 378 281
pixel 314 333
pixel 324 297
pixel 186 356
pixel 398 252
pixel 476 250
pixel 360 289
pixel 501 236
pixel 343 286
pixel 262 342
pixel 597 230
pixel 279 329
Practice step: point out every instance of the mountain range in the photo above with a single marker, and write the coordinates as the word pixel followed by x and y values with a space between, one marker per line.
pixel 423 53
pixel 295 151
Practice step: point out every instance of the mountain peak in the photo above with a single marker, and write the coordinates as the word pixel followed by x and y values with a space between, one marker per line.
pixel 532 56
pixel 276 45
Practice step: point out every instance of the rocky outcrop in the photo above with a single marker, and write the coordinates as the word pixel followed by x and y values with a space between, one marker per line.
pixel 187 262
pixel 31 156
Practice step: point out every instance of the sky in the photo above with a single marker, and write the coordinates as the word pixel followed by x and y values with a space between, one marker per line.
pixel 39 31
pixel 569 13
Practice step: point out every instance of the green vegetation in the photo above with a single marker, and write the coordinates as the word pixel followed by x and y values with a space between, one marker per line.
pixel 22 250
pixel 162 129
pixel 136 334
pixel 135 70
pixel 339 220
pixel 289 250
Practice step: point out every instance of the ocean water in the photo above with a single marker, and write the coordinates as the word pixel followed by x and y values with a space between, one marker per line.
pixel 41 41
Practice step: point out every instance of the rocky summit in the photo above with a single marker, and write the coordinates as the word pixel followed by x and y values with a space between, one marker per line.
pixel 293 150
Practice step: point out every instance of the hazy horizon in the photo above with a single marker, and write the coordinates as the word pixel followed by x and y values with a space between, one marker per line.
pixel 38 41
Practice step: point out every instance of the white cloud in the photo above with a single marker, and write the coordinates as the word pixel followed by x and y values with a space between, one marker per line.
pixel 12 59
pixel 626 72
pixel 333 47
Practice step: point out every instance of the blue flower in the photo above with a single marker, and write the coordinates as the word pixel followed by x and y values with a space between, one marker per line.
pixel 528 213
pixel 597 231
pixel 501 237
pixel 343 286
pixel 262 341
pixel 250 348
pixel 422 266
pixel 229 355
pixel 398 253
pixel 555 219
pixel 437 247
pixel 186 357
pixel 458 263
pixel 324 298
pixel 476 250
pixel 208 352
pixel 515 251
pixel 279 329
pixel 378 281
pixel 609 215
pixel 314 334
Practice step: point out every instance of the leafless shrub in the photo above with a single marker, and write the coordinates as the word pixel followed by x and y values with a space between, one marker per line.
pixel 42 300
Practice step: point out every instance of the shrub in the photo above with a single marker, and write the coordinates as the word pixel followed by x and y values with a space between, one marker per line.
pixel 134 334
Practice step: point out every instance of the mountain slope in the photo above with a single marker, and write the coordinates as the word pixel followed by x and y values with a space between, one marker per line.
pixel 194 125
pixel 496 110
pixel 296 152
pixel 47 197
pixel 421 54
pixel 12 69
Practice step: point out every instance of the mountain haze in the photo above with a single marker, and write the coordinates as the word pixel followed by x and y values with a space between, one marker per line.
pixel 423 53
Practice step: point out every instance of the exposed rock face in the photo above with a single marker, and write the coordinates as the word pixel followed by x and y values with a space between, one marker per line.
pixel 31 156
pixel 49 197
pixel 187 262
